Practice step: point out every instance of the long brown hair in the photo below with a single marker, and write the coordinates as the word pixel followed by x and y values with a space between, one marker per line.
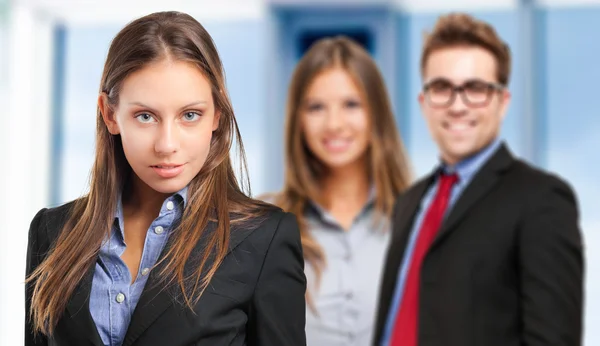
pixel 213 194
pixel 389 167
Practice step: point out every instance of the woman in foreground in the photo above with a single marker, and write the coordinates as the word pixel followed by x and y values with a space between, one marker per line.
pixel 165 249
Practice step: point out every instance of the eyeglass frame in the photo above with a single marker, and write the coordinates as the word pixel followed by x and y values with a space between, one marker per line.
pixel 492 87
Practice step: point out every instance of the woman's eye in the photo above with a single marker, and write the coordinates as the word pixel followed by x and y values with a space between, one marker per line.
pixel 352 104
pixel 191 116
pixel 144 118
pixel 314 107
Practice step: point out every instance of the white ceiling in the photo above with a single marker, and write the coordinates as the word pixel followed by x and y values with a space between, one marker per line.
pixel 118 11
pixel 570 3
pixel 84 12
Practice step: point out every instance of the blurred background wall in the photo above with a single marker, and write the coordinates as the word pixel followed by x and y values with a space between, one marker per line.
pixel 52 53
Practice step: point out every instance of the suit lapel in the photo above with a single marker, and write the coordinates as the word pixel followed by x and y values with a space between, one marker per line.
pixel 483 181
pixel 156 298
pixel 79 312
pixel 401 227
pixel 404 220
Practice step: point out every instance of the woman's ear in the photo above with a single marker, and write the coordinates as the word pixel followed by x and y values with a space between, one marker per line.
pixel 217 117
pixel 108 115
pixel 216 120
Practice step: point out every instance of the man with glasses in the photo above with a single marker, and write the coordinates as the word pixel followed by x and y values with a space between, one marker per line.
pixel 487 249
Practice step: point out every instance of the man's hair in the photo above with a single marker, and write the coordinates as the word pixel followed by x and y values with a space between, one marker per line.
pixel 461 29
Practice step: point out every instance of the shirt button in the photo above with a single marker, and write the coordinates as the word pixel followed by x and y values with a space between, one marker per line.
pixel 159 230
pixel 120 298
pixel 170 205
pixel 145 271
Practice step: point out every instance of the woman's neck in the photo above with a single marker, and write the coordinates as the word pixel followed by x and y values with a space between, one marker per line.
pixel 345 192
pixel 141 199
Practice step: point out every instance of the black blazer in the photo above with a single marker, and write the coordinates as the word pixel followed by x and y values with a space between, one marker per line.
pixel 506 267
pixel 255 298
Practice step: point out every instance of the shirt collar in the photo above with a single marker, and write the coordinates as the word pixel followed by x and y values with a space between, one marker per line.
pixel 322 212
pixel 467 168
pixel 182 194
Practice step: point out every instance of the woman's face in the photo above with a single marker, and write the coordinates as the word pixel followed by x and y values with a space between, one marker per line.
pixel 165 117
pixel 335 119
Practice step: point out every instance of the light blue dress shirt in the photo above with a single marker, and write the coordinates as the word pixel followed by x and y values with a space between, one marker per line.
pixel 465 170
pixel 113 297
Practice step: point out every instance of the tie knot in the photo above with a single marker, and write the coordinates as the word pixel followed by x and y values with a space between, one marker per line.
pixel 448 179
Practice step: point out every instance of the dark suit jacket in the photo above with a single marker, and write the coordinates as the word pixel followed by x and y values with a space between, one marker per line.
pixel 506 267
pixel 255 298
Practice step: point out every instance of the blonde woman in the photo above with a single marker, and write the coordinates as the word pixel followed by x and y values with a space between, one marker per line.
pixel 345 166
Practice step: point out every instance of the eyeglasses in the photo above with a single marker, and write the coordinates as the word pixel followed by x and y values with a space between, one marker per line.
pixel 441 93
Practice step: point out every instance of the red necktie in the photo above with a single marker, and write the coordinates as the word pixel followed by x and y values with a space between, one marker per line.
pixel 406 325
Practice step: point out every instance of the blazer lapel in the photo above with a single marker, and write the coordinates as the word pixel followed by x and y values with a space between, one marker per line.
pixel 156 298
pixel 401 227
pixel 403 222
pixel 79 312
pixel 482 183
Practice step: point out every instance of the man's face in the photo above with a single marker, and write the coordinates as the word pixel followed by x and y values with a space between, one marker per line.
pixel 462 123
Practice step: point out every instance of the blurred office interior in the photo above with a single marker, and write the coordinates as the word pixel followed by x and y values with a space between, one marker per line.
pixel 52 53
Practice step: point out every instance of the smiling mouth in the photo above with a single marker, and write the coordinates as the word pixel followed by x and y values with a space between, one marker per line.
pixel 459 127
pixel 337 144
